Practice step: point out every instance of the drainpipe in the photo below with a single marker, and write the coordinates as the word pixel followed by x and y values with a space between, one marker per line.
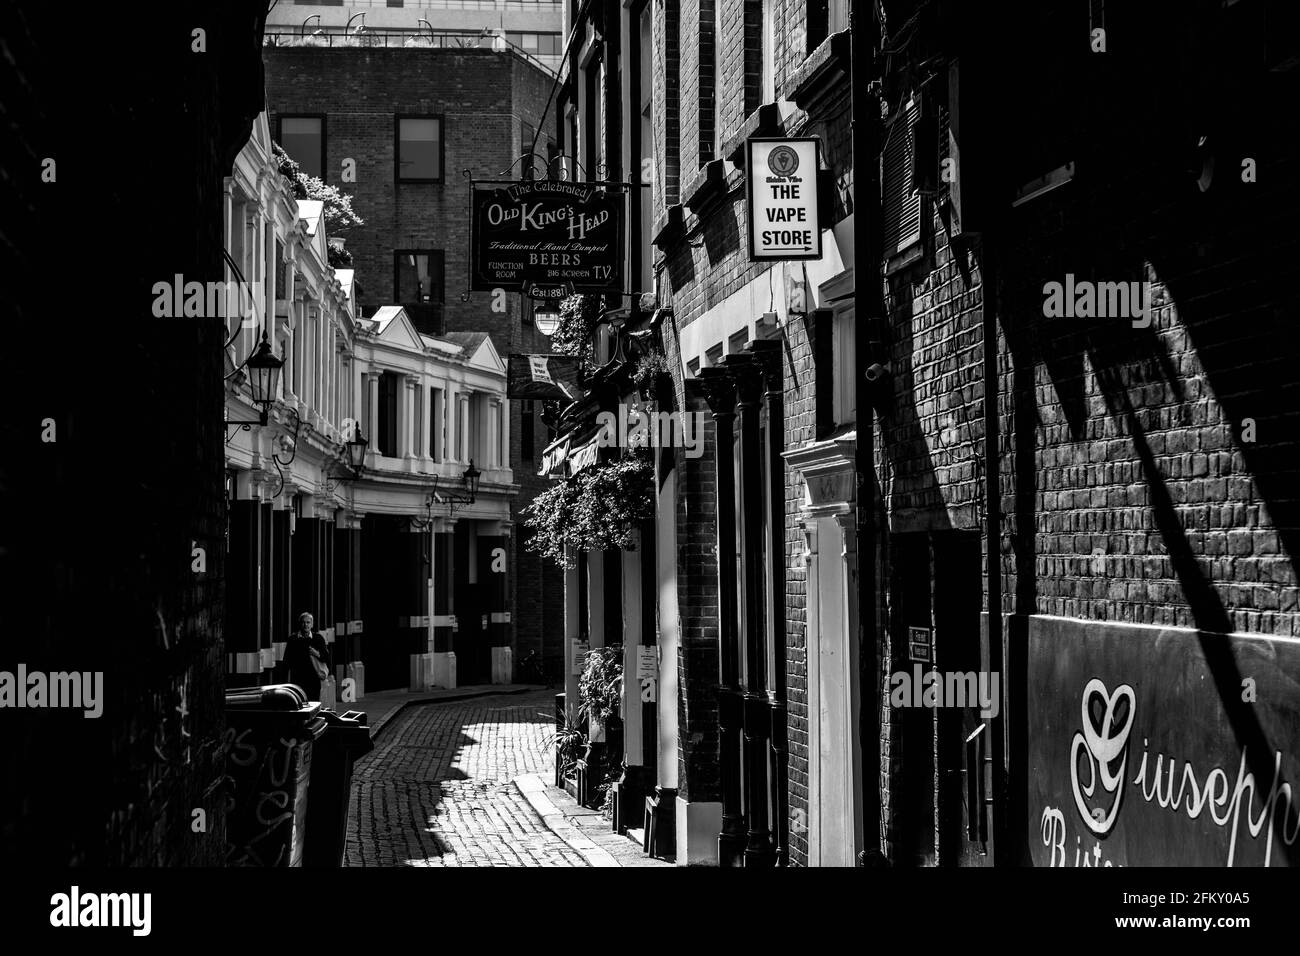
pixel 1004 850
pixel 869 310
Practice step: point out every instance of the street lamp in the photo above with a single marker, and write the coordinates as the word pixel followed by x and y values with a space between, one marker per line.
pixel 356 460
pixel 264 377
pixel 469 480
pixel 357 446
pixel 547 322
pixel 263 370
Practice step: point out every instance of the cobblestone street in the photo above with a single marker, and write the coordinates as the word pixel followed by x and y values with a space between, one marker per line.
pixel 438 791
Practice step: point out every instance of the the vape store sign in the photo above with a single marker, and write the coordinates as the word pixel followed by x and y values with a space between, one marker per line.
pixel 783 199
pixel 548 234
pixel 1153 747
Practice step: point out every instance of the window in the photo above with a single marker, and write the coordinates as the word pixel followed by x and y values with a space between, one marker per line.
pixel 281 270
pixel 419 149
pixel 824 18
pixel 538 44
pixel 386 440
pixel 901 204
pixel 834 342
pixel 418 287
pixel 303 138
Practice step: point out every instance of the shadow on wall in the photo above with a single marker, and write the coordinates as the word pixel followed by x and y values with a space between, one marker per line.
pixel 1218 352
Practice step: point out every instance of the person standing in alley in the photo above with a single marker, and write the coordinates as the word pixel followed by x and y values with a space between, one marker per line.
pixel 307 656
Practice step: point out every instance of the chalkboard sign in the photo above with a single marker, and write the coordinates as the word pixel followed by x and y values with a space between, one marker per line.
pixel 1161 747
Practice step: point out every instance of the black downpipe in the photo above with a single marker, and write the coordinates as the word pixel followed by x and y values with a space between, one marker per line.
pixel 869 310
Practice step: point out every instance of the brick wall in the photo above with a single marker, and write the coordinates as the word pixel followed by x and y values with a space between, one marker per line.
pixel 697 599
pixel 1129 487
pixel 666 26
pixel 96 561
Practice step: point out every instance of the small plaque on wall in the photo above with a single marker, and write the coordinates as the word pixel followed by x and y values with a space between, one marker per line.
pixel 580 649
pixel 920 645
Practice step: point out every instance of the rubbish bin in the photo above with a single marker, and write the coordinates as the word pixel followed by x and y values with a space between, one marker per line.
pixel 270 735
pixel 346 738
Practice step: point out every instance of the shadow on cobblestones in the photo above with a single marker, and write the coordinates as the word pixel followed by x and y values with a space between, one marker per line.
pixel 437 790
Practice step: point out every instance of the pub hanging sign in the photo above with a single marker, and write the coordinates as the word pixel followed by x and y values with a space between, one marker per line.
pixel 782 180
pixel 547 234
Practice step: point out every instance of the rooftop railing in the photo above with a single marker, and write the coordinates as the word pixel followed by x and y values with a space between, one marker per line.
pixel 406 40
pixel 508 6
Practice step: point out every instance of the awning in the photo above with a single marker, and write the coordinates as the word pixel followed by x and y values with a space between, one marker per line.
pixel 565 458
pixel 584 456
pixel 553 460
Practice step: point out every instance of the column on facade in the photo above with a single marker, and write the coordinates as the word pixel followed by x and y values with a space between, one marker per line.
pixel 354 397
pixel 503 436
pixel 282 575
pixel 269 272
pixel 331 356
pixel 757 714
pixel 443 592
pixel 414 612
pixel 373 417
pixel 720 390
pixel 347 607
pixel 246 591
pixel 453 424
pixel 768 354
pixel 412 419
pixel 636 779
pixel 572 632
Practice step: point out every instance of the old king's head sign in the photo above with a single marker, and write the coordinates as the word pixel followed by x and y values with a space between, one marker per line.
pixel 546 234
pixel 1156 747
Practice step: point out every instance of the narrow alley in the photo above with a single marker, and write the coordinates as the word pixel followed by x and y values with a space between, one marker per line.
pixel 440 789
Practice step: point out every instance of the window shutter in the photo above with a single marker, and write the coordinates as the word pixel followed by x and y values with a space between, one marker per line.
pixel 901 205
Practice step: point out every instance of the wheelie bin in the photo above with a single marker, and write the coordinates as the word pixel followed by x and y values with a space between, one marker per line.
pixel 271 733
pixel 346 737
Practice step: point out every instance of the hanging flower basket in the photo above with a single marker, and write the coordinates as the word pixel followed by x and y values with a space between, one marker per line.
pixel 599 509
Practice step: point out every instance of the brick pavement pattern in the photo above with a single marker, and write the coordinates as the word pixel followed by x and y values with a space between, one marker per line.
pixel 437 791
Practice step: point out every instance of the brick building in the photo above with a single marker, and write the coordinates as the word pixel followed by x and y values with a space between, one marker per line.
pixel 395 127
pixel 1078 499
pixel 638 103
pixel 948 470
